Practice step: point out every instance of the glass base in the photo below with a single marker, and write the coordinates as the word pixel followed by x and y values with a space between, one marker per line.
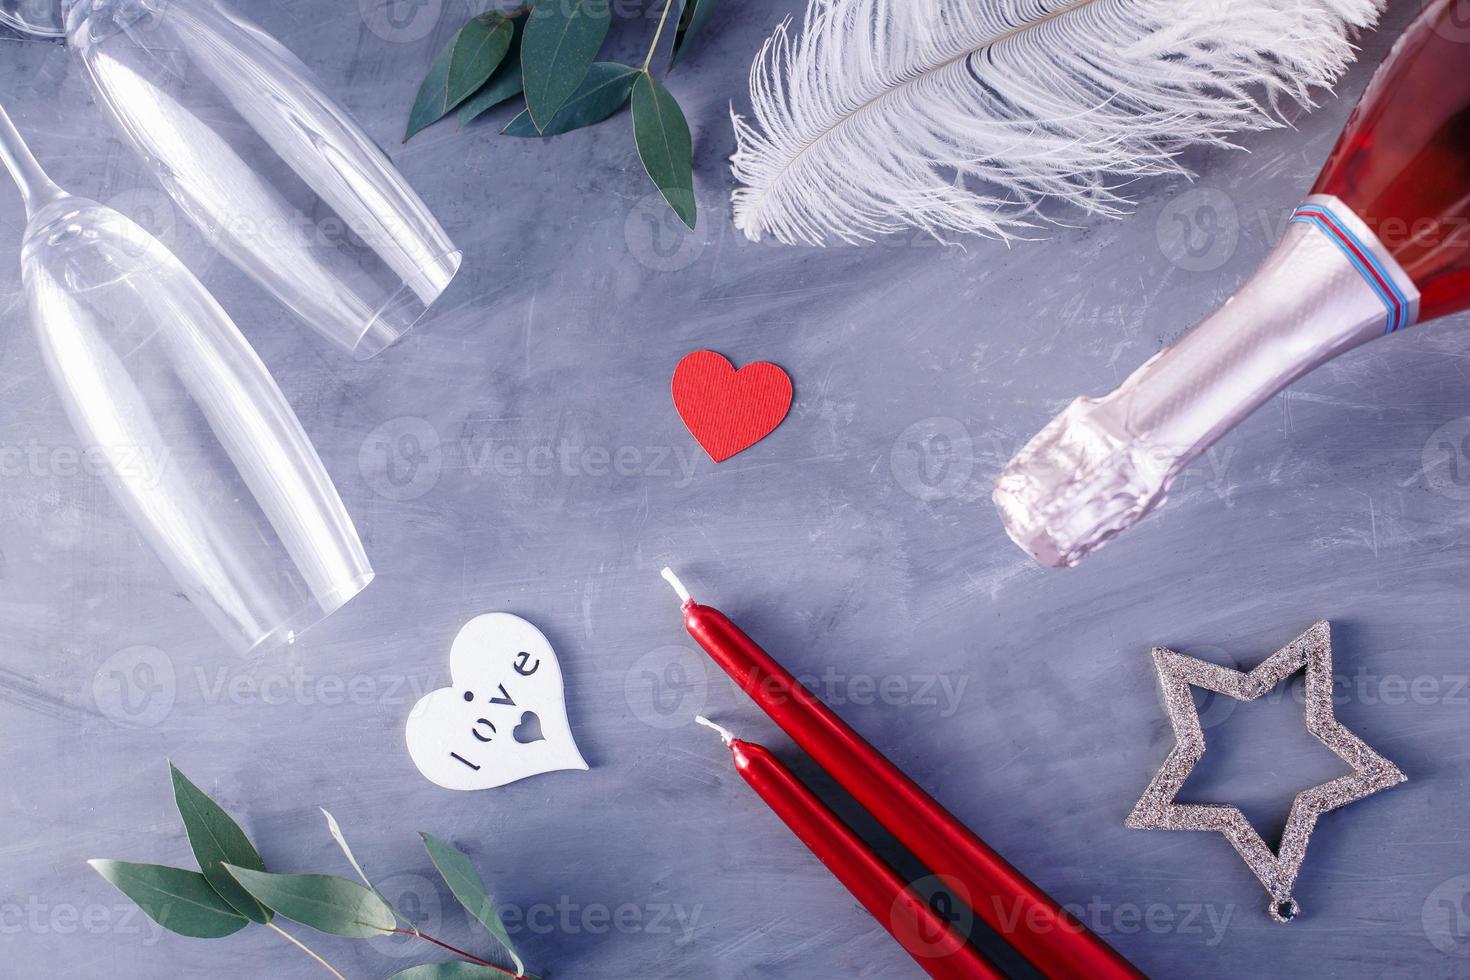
pixel 41 18
pixel 405 308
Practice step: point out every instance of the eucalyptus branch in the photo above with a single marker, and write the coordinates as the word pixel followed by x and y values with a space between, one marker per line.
pixel 305 949
pixel 549 56
pixel 198 904
pixel 657 35
pixel 456 951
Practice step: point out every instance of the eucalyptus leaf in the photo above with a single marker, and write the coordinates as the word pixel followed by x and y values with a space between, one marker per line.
pixel 429 106
pixel 603 92
pixel 323 902
pixel 561 43
pixel 664 145
pixel 180 901
pixel 465 882
pixel 335 829
pixel 453 970
pixel 692 17
pixel 464 65
pixel 479 49
pixel 506 82
pixel 216 841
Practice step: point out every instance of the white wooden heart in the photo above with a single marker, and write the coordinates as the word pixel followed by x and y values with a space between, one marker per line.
pixel 506 690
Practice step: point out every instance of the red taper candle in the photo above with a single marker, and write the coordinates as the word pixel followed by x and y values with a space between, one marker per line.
pixel 1053 940
pixel 924 935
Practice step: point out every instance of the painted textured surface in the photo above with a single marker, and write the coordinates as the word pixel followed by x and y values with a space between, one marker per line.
pixel 520 453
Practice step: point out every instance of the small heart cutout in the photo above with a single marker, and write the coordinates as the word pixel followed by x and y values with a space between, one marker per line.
pixel 728 411
pixel 529 730
pixel 503 718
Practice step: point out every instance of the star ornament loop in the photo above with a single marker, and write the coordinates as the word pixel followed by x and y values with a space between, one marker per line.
pixel 1277 870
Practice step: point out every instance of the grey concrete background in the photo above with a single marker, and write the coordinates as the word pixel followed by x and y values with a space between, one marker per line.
pixel 857 543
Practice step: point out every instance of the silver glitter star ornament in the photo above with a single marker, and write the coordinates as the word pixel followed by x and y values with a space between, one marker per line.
pixel 1276 870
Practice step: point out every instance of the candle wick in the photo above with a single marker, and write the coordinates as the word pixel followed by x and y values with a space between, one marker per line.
pixel 672 579
pixel 725 733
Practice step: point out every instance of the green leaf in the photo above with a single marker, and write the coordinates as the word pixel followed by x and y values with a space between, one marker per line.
pixel 664 145
pixel 335 829
pixel 478 51
pixel 324 902
pixel 429 107
pixel 464 881
pixel 691 18
pixel 180 901
pixel 505 83
pixel 464 65
pixel 217 840
pixel 602 93
pixel 453 970
pixel 561 43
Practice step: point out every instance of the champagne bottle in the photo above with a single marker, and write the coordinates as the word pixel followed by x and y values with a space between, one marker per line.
pixel 1382 242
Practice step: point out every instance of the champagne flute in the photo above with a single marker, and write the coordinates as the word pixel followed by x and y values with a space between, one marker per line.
pixel 276 174
pixel 193 437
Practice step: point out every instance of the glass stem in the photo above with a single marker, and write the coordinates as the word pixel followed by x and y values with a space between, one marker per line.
pixel 36 189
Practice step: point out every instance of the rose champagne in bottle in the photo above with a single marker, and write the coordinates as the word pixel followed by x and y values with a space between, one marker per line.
pixel 1381 243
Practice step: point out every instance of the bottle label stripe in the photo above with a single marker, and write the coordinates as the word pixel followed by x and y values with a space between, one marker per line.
pixel 1366 253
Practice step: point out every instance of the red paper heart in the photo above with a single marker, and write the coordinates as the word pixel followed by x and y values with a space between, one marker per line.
pixel 728 410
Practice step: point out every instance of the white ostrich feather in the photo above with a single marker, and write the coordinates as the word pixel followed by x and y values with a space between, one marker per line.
pixel 963 116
